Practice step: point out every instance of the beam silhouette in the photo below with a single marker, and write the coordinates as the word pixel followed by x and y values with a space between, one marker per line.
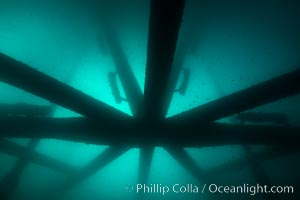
pixel 133 134
pixel 164 25
pixel 182 51
pixel 259 173
pixel 277 88
pixel 188 163
pixel 146 156
pixel 10 182
pixel 217 134
pixel 134 96
pixel 98 163
pixel 31 80
pixel 23 109
pixel 77 129
pixel 265 155
pixel 129 83
pixel 13 149
pixel 255 158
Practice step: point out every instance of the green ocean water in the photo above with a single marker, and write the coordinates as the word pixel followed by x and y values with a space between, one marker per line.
pixel 227 45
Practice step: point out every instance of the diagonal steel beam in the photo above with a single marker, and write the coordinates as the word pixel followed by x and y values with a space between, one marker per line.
pixel 255 158
pixel 188 163
pixel 31 80
pixel 134 96
pixel 259 173
pixel 10 182
pixel 277 88
pixel 13 149
pixel 102 160
pixel 180 154
pixel 129 83
pixel 165 22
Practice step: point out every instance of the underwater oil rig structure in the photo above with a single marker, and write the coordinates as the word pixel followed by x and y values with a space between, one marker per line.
pixel 148 127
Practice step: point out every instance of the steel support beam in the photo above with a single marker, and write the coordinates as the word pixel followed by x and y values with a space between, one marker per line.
pixel 188 163
pixel 146 156
pixel 133 92
pixel 277 88
pixel 164 26
pixel 33 81
pixel 259 173
pixel 16 150
pixel 10 182
pixel 138 135
pixel 77 129
pixel 101 161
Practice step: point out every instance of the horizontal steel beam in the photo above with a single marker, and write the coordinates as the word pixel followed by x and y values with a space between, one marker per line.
pixel 134 134
pixel 77 129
